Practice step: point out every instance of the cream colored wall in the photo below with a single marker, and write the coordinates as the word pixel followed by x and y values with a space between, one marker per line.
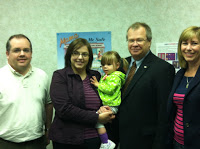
pixel 41 20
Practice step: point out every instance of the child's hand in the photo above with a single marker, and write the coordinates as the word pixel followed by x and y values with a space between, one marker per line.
pixel 94 81
pixel 104 109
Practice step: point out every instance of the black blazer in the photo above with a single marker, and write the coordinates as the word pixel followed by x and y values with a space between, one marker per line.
pixel 143 111
pixel 191 111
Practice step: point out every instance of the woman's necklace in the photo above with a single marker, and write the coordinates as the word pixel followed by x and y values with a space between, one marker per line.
pixel 188 82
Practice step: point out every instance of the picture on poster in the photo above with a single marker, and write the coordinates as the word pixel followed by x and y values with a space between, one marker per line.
pixel 168 52
pixel 99 41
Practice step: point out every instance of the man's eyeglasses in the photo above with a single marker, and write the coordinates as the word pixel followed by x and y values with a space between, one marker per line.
pixel 77 54
pixel 138 41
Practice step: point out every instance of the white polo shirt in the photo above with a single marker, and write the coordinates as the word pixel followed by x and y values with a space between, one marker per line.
pixel 22 104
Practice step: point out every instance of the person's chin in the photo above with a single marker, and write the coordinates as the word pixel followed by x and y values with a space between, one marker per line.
pixel 80 67
pixel 22 64
pixel 135 55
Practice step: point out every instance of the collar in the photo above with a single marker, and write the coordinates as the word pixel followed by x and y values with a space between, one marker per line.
pixel 138 63
pixel 18 74
pixel 70 71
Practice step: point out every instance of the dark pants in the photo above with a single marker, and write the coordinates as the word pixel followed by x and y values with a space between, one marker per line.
pixel 113 130
pixel 34 144
pixel 93 143
pixel 178 146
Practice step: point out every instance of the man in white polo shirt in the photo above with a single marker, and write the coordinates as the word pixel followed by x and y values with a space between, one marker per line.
pixel 25 105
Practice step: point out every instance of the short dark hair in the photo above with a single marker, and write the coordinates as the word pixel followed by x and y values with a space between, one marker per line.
pixel 8 46
pixel 75 45
pixel 137 25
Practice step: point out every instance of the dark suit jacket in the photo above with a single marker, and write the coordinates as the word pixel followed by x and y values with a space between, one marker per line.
pixel 143 111
pixel 191 111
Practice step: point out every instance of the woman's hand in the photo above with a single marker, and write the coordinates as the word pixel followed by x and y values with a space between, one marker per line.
pixel 106 117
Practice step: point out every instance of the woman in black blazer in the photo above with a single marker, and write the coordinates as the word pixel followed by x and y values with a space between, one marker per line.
pixel 184 99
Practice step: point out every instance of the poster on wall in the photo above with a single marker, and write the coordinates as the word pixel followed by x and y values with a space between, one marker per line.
pixel 99 41
pixel 168 52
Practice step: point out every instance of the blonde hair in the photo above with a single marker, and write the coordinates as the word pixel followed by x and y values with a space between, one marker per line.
pixel 125 65
pixel 187 34
pixel 110 57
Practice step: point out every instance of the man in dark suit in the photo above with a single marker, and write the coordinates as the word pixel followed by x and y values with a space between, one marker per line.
pixel 142 113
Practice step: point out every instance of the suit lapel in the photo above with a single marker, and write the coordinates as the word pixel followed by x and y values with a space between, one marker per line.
pixel 177 81
pixel 142 69
pixel 194 82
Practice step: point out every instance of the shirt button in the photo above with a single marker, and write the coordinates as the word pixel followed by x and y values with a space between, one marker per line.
pixel 187 125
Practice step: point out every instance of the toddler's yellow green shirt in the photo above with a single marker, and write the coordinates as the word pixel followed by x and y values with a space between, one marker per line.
pixel 110 89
